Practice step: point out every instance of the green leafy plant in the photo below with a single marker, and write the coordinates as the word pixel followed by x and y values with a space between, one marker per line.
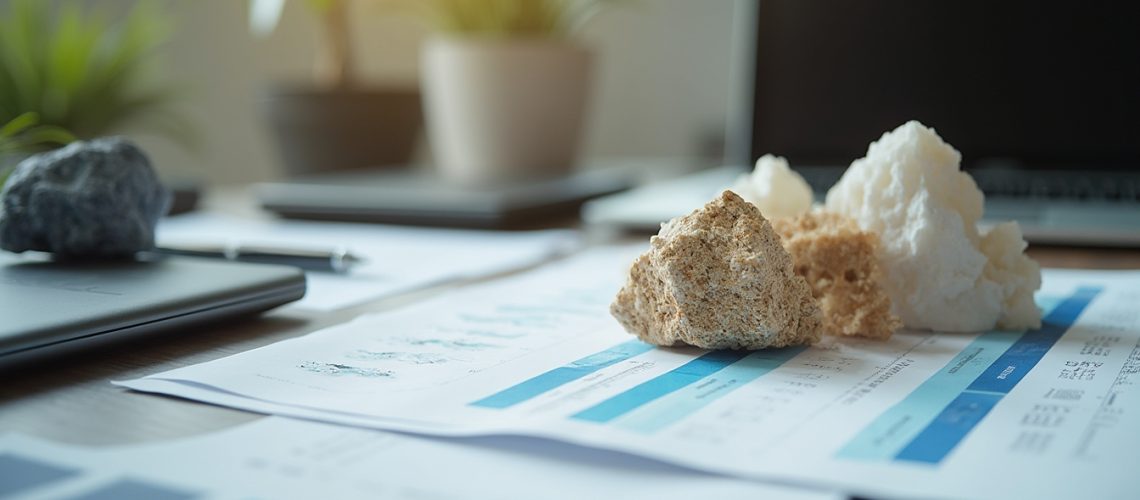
pixel 23 135
pixel 77 70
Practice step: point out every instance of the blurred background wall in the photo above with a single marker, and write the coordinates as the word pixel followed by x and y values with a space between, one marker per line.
pixel 662 81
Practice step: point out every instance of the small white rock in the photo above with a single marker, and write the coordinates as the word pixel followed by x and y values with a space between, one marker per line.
pixel 776 189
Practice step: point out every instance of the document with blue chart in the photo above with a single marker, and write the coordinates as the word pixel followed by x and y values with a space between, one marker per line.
pixel 1048 412
pixel 281 458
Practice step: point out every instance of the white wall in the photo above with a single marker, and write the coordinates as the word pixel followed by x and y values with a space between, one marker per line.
pixel 661 90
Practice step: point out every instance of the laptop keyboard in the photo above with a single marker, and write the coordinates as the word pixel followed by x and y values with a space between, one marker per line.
pixel 1103 186
pixel 1040 185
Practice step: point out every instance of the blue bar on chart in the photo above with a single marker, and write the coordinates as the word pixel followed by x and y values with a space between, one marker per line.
pixel 1008 370
pixel 560 376
pixel 659 386
pixel 668 410
pixel 934 418
pixel 888 434
pixel 949 428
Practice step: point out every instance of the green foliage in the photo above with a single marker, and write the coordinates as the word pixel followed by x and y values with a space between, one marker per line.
pixel 77 70
pixel 510 18
pixel 321 6
pixel 23 135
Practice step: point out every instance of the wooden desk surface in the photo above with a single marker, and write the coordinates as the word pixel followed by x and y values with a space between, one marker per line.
pixel 70 399
pixel 1086 258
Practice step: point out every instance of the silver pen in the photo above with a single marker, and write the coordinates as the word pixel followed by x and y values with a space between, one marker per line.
pixel 337 260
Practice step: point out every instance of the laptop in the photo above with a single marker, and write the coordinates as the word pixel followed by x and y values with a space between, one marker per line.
pixel 50 307
pixel 420 197
pixel 1040 98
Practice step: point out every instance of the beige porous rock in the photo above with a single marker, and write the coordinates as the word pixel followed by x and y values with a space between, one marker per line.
pixel 840 263
pixel 718 278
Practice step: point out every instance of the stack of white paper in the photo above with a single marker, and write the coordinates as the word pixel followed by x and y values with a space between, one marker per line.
pixel 1047 413
pixel 284 458
pixel 397 259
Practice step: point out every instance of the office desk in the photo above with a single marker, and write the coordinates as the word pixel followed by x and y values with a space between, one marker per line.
pixel 70 399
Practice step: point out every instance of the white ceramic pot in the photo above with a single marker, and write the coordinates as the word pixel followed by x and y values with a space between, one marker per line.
pixel 500 109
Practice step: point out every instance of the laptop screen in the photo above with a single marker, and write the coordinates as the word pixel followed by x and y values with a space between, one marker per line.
pixel 1021 84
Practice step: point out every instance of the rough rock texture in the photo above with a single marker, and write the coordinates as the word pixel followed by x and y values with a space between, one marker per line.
pixel 90 199
pixel 840 262
pixel 941 274
pixel 1016 274
pixel 718 279
pixel 774 188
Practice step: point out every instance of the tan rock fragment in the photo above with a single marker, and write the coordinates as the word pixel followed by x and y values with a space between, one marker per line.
pixel 718 278
pixel 840 262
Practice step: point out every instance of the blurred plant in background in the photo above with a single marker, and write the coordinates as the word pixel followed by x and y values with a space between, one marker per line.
pixel 339 120
pixel 343 122
pixel 24 134
pixel 335 69
pixel 78 71
pixel 489 66
pixel 502 18
pixel 508 18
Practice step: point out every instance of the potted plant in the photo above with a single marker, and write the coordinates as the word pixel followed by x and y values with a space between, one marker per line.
pixel 337 122
pixel 505 86
pixel 66 70
pixel 79 72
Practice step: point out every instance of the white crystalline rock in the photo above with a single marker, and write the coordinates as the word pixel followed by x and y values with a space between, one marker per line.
pixel 941 273
pixel 1018 275
pixel 774 188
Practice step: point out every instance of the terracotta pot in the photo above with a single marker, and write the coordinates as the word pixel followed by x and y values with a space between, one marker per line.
pixel 502 109
pixel 320 130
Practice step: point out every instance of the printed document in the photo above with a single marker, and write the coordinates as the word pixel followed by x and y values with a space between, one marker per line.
pixel 1049 413
pixel 397 259
pixel 284 458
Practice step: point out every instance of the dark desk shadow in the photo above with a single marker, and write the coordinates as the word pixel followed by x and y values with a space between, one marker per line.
pixel 131 357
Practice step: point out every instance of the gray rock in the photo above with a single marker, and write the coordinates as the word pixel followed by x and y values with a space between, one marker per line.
pixel 90 199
